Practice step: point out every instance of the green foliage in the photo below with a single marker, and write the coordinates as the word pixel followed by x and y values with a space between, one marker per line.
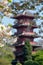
pixel 2 28
pixel 10 25
pixel 30 62
pixel 27 51
pixel 9 0
pixel 38 57
pixel 1 6
pixel 18 63
pixel 6 56
pixel 4 61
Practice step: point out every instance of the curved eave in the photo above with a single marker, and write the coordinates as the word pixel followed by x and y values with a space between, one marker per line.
pixel 23 16
pixel 34 43
pixel 34 26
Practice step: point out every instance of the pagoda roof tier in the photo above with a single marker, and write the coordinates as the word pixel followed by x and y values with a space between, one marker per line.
pixel 25 14
pixel 20 45
pixel 28 36
pixel 24 33
pixel 24 26
pixel 22 16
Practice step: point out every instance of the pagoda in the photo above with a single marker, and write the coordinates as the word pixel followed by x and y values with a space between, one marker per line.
pixel 24 26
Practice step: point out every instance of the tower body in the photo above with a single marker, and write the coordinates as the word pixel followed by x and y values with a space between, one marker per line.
pixel 24 26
